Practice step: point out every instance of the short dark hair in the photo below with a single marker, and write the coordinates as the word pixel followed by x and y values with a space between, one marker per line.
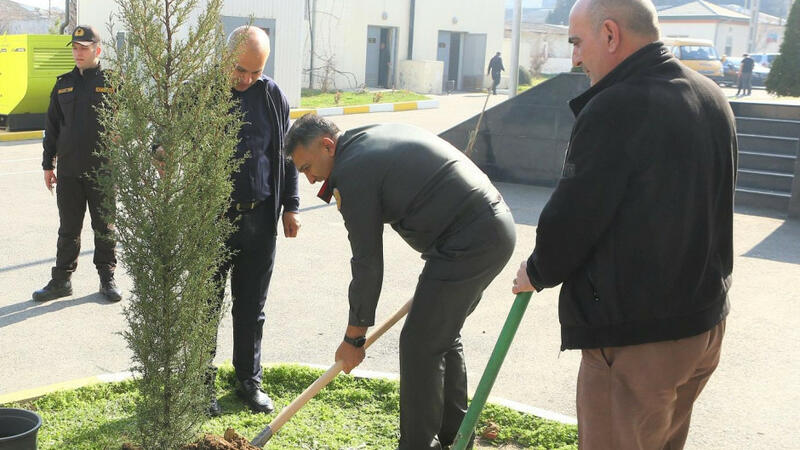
pixel 306 129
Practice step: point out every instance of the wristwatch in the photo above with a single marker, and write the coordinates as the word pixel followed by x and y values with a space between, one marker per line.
pixel 356 342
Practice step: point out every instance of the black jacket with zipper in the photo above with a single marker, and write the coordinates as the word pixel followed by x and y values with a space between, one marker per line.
pixel 72 129
pixel 639 227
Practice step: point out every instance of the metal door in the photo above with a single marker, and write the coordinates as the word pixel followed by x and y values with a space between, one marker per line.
pixel 473 58
pixel 230 23
pixel 373 56
pixel 443 54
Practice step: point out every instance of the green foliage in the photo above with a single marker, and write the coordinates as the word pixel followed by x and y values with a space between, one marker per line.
pixel 349 413
pixel 529 431
pixel 524 76
pixel 784 75
pixel 171 225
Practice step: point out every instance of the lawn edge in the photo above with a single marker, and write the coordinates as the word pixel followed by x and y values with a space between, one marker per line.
pixel 34 393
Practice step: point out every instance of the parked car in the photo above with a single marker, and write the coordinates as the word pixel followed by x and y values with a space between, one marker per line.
pixel 730 69
pixel 697 54
pixel 764 59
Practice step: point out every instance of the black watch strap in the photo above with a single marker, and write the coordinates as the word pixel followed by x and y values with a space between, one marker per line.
pixel 356 342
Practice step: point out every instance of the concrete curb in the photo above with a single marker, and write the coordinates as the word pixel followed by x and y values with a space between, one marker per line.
pixel 360 109
pixel 10 136
pixel 293 114
pixel 31 394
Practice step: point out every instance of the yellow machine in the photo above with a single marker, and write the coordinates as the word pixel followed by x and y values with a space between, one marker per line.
pixel 29 64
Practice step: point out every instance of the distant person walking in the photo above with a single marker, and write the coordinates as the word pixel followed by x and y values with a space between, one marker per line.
pixel 495 67
pixel 745 75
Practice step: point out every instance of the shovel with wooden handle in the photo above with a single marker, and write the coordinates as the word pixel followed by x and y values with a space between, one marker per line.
pixel 289 411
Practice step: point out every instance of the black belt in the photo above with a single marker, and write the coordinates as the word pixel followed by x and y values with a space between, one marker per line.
pixel 246 206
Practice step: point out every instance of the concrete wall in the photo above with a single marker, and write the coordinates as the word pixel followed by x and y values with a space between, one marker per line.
pixel 340 38
pixel 524 139
pixel 468 16
pixel 288 17
pixel 547 48
pixel 424 77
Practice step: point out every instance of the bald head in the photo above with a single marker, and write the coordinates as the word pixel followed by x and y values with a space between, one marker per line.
pixel 634 16
pixel 606 32
pixel 251 45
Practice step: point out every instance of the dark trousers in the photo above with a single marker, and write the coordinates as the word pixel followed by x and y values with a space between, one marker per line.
pixel 433 377
pixel 250 267
pixel 73 194
pixel 745 83
pixel 495 81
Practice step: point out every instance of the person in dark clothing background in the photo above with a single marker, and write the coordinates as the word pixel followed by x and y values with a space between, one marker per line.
pixel 639 231
pixel 745 75
pixel 72 134
pixel 495 67
pixel 265 184
pixel 445 208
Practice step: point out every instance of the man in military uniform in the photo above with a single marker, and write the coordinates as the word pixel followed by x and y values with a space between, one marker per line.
pixel 71 138
pixel 444 207
pixel 265 183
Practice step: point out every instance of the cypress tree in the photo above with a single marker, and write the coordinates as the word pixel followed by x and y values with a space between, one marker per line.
pixel 784 75
pixel 171 86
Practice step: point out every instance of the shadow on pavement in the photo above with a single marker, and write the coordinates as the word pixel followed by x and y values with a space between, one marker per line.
pixel 17 312
pixel 41 261
pixel 526 201
pixel 782 245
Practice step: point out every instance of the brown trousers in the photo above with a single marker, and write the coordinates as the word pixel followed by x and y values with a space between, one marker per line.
pixel 641 396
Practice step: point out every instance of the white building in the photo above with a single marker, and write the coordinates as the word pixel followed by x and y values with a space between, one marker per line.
pixel 543 48
pixel 371 43
pixel 727 28
pixel 283 21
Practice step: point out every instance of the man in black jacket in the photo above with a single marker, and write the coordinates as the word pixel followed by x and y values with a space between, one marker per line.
pixel 445 208
pixel 639 231
pixel 495 67
pixel 265 184
pixel 72 134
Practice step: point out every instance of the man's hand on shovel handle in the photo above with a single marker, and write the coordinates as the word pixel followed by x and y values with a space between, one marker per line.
pixel 522 283
pixel 351 356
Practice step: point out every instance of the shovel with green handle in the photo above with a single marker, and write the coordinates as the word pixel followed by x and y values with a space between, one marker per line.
pixel 491 371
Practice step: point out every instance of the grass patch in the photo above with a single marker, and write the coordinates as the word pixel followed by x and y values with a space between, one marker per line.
pixel 314 98
pixel 349 413
pixel 534 81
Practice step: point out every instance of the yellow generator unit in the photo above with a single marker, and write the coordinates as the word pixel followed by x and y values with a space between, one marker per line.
pixel 29 65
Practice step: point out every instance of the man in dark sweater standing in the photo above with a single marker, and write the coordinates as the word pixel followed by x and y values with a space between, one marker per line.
pixel 445 208
pixel 639 231
pixel 72 134
pixel 264 185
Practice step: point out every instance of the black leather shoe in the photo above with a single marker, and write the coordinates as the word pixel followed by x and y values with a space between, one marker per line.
pixel 54 289
pixel 214 410
pixel 256 399
pixel 110 290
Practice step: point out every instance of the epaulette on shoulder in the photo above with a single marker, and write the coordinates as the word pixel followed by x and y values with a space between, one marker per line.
pixel 63 75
